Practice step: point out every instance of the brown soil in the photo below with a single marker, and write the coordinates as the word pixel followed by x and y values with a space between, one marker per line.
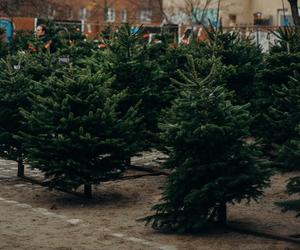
pixel 109 221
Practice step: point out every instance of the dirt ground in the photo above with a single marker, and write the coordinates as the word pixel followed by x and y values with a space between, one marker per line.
pixel 32 217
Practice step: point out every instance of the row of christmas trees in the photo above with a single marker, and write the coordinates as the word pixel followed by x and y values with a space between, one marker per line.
pixel 226 115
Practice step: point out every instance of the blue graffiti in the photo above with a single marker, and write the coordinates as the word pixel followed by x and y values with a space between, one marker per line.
pixel 8 27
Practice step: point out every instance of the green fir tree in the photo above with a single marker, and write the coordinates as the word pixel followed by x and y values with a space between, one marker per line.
pixel 293 188
pixel 15 86
pixel 128 59
pixel 3 44
pixel 242 57
pixel 77 136
pixel 276 104
pixel 289 151
pixel 284 115
pixel 212 163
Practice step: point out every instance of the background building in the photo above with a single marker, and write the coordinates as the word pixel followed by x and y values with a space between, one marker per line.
pixel 94 15
pixel 233 12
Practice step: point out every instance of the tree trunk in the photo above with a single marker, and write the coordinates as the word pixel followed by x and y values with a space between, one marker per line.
pixel 222 214
pixel 295 13
pixel 128 162
pixel 88 191
pixel 20 167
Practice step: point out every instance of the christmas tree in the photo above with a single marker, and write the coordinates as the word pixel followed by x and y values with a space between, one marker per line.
pixel 21 41
pixel 276 117
pixel 15 87
pixel 293 188
pixel 77 136
pixel 242 57
pixel 127 58
pixel 289 151
pixel 212 163
pixel 284 115
pixel 3 44
pixel 289 38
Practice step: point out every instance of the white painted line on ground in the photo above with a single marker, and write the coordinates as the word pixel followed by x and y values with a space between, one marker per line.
pixel 10 202
pixel 63 217
pixel 166 247
pixel 20 185
pixel 23 205
pixel 134 239
pixel 40 210
pixel 118 235
pixel 74 221
pixel 48 214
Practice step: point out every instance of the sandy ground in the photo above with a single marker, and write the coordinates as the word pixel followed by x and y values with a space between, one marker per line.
pixel 32 217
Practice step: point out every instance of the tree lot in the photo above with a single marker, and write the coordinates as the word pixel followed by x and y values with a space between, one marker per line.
pixel 80 122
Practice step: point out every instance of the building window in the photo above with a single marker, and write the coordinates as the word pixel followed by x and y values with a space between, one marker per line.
pixel 232 20
pixel 284 18
pixel 51 11
pixel 110 15
pixel 259 20
pixel 84 13
pixel 123 16
pixel 146 16
pixel 69 12
pixel 89 28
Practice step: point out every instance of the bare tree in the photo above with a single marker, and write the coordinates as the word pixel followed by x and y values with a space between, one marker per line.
pixel 196 10
pixel 188 11
pixel 163 13
pixel 295 13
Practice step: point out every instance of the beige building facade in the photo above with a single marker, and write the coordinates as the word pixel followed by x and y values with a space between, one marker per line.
pixel 234 12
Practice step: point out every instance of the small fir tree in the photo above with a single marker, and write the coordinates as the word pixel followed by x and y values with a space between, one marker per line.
pixel 41 65
pixel 242 57
pixel 21 41
pixel 284 116
pixel 289 39
pixel 289 151
pixel 205 137
pixel 293 188
pixel 127 58
pixel 276 104
pixel 3 44
pixel 15 86
pixel 77 136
